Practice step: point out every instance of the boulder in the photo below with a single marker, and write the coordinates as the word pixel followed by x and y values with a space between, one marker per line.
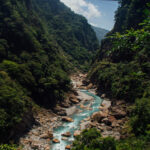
pixel 98 116
pixel 67 134
pixel 89 86
pixel 74 101
pixel 103 95
pixel 76 133
pixel 65 105
pixel 44 136
pixel 47 147
pixel 119 114
pixel 82 106
pixel 56 141
pixel 68 147
pixel 106 121
pixel 111 118
pixel 50 134
pixel 35 145
pixel 60 111
pixel 67 119
pixel 64 138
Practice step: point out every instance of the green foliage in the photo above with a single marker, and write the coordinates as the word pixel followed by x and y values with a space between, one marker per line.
pixel 122 69
pixel 91 140
pixel 7 147
pixel 140 119
pixel 40 43
pixel 13 104
pixel 130 14
pixel 124 72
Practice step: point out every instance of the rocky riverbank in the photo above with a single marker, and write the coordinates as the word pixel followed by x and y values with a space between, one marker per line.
pixel 110 119
pixel 41 134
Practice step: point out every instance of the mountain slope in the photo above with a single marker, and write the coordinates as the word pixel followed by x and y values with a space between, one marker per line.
pixel 40 43
pixel 100 33
pixel 122 69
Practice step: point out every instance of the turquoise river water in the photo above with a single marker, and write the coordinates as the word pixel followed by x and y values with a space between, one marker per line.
pixel 73 126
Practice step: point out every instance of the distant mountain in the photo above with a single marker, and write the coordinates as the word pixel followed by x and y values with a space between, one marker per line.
pixel 100 32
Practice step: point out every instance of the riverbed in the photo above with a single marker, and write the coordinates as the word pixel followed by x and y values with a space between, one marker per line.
pixel 81 121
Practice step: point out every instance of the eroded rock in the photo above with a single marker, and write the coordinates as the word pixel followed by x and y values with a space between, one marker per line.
pixel 67 119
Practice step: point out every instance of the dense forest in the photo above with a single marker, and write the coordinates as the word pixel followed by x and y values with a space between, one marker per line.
pixel 122 71
pixel 41 42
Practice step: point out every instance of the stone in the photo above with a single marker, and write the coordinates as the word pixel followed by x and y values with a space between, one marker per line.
pixel 120 102
pixel 119 114
pixel 76 133
pixel 68 147
pixel 82 106
pixel 50 134
pixel 67 134
pixel 89 86
pixel 111 119
pixel 64 138
pixel 35 145
pixel 56 141
pixel 106 121
pixel 103 95
pixel 44 136
pixel 74 101
pixel 98 116
pixel 67 119
pixel 65 105
pixel 47 147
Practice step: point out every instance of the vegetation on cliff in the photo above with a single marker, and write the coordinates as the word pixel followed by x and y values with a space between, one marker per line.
pixel 40 44
pixel 122 67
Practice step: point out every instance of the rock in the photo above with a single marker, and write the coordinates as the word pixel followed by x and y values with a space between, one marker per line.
pixel 60 111
pixel 67 134
pixel 93 124
pixel 119 114
pixel 112 119
pixel 85 82
pixel 68 147
pixel 103 95
pixel 89 86
pixel 56 141
pixel 67 119
pixel 44 136
pixel 64 138
pixel 120 102
pixel 74 101
pixel 50 134
pixel 76 133
pixel 35 145
pixel 65 104
pixel 46 147
pixel 120 121
pixel 98 116
pixel 106 121
pixel 82 106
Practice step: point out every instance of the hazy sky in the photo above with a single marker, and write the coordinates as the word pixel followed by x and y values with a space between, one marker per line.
pixel 99 13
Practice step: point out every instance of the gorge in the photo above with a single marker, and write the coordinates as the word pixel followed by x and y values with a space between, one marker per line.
pixel 61 89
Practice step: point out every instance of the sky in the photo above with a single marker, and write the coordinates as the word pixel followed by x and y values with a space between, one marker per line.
pixel 99 13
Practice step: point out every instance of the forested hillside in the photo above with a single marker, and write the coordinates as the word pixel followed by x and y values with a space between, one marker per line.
pixel 122 71
pixel 41 41
pixel 100 33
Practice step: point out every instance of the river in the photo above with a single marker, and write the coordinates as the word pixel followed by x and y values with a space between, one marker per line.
pixel 78 123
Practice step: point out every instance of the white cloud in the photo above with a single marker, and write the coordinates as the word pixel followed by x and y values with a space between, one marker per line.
pixel 82 7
